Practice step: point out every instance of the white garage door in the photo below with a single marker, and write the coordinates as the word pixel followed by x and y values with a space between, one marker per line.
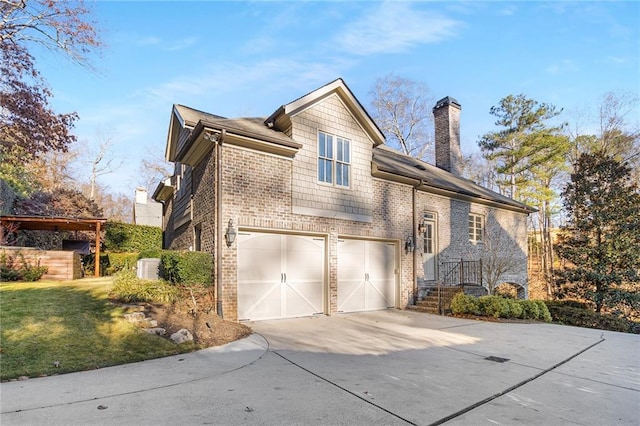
pixel 279 276
pixel 366 275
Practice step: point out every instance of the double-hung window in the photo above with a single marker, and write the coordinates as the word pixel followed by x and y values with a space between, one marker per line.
pixel 476 228
pixel 334 160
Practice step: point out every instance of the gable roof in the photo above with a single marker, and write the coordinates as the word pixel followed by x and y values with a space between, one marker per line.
pixel 390 164
pixel 196 121
pixel 339 87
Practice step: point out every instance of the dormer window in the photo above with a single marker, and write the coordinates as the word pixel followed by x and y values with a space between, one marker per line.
pixel 334 160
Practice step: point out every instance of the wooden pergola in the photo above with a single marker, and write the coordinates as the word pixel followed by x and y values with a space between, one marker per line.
pixel 40 223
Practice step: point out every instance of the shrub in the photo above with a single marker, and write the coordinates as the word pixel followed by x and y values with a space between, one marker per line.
pixel 150 254
pixel 464 304
pixel 128 288
pixel 495 306
pixel 30 272
pixel 89 263
pixel 544 313
pixel 566 313
pixel 124 237
pixel 515 308
pixel 190 268
pixel 121 261
pixel 530 309
pixel 7 270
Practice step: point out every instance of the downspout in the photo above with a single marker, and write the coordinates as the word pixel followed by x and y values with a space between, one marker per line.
pixel 219 230
pixel 415 241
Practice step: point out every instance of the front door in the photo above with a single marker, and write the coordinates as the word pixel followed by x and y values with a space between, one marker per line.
pixel 429 253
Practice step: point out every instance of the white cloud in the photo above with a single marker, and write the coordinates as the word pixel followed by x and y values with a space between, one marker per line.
pixel 148 41
pixel 509 10
pixel 394 27
pixel 562 67
pixel 180 44
pixel 619 60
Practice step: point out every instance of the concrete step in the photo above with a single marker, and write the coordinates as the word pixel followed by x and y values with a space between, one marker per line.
pixel 424 309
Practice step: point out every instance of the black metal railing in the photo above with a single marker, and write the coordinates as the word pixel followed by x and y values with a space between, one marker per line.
pixel 462 272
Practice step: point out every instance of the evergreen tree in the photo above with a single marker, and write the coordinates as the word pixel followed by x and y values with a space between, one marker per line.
pixel 601 242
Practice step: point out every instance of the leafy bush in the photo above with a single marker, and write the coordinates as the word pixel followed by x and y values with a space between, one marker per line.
pixel 465 304
pixel 530 309
pixel 544 313
pixel 500 307
pixel 30 272
pixel 150 254
pixel 7 270
pixel 124 237
pixel 515 308
pixel 495 306
pixel 568 314
pixel 89 263
pixel 190 268
pixel 121 261
pixel 128 288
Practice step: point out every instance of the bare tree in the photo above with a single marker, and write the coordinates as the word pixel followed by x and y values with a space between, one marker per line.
pixel 154 169
pixel 481 171
pixel 54 169
pixel 62 26
pixel 614 132
pixel 102 163
pixel 502 257
pixel 402 109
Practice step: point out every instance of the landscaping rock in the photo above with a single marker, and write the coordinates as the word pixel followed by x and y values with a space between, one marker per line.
pixel 134 316
pixel 182 336
pixel 147 323
pixel 133 308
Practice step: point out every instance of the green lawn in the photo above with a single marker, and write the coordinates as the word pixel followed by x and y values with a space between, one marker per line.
pixel 71 322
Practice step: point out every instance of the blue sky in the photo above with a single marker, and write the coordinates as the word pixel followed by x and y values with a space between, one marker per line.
pixel 248 58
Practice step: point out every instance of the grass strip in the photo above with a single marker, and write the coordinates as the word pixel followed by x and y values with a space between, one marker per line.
pixel 58 327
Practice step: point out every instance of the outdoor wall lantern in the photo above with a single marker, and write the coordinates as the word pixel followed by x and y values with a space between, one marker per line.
pixel 422 228
pixel 230 235
pixel 408 245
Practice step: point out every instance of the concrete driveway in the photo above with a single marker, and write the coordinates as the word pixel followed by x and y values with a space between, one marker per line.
pixel 386 367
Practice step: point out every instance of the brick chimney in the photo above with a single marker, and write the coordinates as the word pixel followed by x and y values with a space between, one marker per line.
pixel 141 195
pixel 446 116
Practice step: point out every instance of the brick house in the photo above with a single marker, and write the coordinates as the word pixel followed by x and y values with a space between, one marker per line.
pixel 307 211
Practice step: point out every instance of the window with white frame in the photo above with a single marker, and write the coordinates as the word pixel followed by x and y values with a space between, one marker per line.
pixel 334 160
pixel 476 227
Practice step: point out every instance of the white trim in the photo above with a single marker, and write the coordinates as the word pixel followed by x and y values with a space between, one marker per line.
pixel 268 154
pixel 311 211
pixel 334 159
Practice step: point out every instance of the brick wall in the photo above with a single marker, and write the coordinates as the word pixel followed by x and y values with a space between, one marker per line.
pixel 453 243
pixel 257 194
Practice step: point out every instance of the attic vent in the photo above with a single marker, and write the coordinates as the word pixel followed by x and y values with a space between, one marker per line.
pixel 420 167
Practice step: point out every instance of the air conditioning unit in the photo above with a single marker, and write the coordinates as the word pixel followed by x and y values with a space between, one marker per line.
pixel 148 269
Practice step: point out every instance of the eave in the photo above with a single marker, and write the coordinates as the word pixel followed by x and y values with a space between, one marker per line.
pixel 425 186
pixel 164 191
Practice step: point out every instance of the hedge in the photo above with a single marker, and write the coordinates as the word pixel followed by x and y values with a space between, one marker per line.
pixel 189 268
pixel 500 307
pixel 577 314
pixel 124 237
